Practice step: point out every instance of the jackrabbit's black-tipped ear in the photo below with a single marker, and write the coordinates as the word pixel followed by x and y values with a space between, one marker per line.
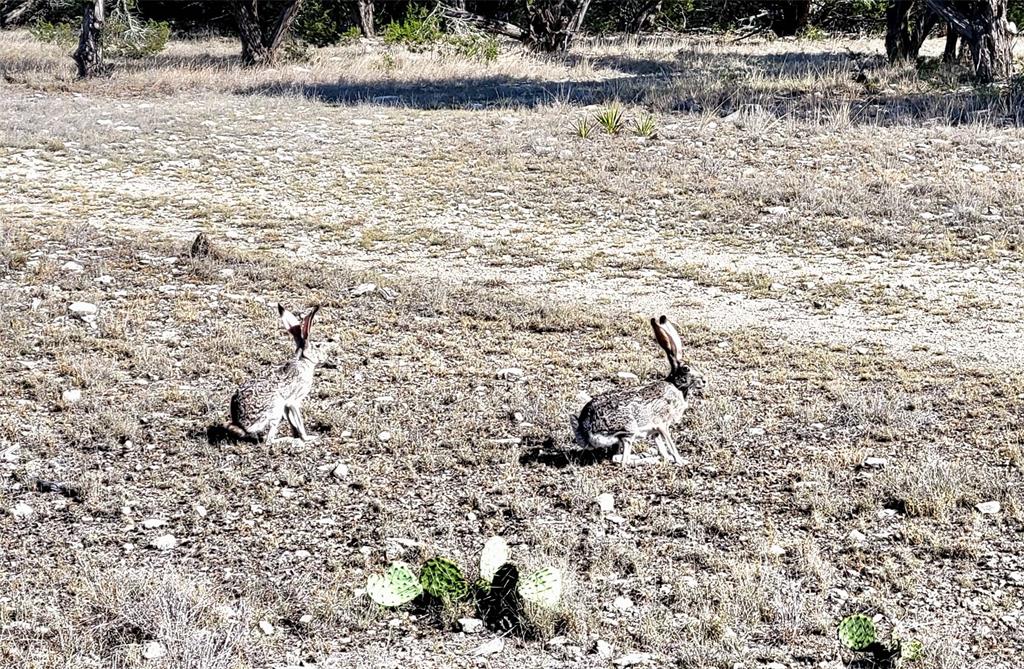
pixel 291 323
pixel 668 339
pixel 307 322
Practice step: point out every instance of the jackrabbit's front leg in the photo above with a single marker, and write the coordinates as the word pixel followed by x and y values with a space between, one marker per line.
pixel 295 420
pixel 666 436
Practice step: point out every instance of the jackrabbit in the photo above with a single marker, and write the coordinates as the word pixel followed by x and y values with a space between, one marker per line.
pixel 260 403
pixel 619 418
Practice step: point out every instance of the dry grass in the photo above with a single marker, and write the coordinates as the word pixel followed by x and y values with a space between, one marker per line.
pixel 504 241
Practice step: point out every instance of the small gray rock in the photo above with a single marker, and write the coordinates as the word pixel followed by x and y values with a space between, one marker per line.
pixel 22 510
pixel 71 396
pixel 988 508
pixel 164 542
pixel 471 625
pixel 83 309
pixel 153 650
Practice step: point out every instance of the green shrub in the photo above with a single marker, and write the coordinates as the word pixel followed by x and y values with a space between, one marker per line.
pixel 323 23
pixel 419 29
pixel 127 36
pixel 475 46
pixel 124 35
pixel 62 34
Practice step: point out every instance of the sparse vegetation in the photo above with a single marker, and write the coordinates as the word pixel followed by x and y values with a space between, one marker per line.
pixel 842 263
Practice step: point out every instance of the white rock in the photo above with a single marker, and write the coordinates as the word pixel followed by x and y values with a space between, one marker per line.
pixel 164 542
pixel 22 510
pixel 71 396
pixel 988 508
pixel 106 279
pixel 603 649
pixel 509 373
pixel 628 376
pixel 856 536
pixel 471 625
pixel 776 550
pixel 632 659
pixel 306 619
pixel 623 603
pixel 83 309
pixel 364 289
pixel 340 471
pixel 200 510
pixel 775 665
pixel 153 650
pixel 875 462
pixel 756 432
pixel 72 266
pixel 606 502
pixel 384 436
pixel 302 554
pixel 153 523
pixel 266 627
pixel 493 646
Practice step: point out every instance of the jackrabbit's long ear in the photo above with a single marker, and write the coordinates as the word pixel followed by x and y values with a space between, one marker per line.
pixel 307 322
pixel 668 339
pixel 292 324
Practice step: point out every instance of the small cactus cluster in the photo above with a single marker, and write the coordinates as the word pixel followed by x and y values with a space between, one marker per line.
pixel 396 586
pixel 499 592
pixel 443 579
pixel 857 632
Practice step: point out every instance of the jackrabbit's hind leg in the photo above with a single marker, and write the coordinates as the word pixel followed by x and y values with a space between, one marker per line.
pixel 627 450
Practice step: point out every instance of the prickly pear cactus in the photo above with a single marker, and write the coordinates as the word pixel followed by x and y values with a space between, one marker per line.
pixel 911 651
pixel 857 632
pixel 494 554
pixel 542 587
pixel 396 586
pixel 443 579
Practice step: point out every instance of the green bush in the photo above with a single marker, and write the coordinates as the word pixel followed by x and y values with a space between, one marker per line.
pixel 126 36
pixel 419 29
pixel 474 46
pixel 324 23
pixel 62 34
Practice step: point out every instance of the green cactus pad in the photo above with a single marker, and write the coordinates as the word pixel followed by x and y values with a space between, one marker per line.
pixel 857 632
pixel 396 586
pixel 494 555
pixel 443 579
pixel 542 587
pixel 911 651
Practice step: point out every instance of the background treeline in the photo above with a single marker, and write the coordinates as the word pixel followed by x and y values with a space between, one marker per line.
pixel 324 22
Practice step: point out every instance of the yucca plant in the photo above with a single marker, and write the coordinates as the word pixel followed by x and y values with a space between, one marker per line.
pixel 644 126
pixel 610 119
pixel 583 128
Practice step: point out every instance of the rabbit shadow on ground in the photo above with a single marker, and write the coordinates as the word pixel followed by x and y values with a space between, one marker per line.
pixel 543 451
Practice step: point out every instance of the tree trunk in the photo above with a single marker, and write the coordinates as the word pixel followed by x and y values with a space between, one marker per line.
pixel 259 48
pixel 493 26
pixel 364 17
pixel 791 17
pixel 984 27
pixel 949 52
pixel 907 27
pixel 553 23
pixel 644 16
pixel 89 55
